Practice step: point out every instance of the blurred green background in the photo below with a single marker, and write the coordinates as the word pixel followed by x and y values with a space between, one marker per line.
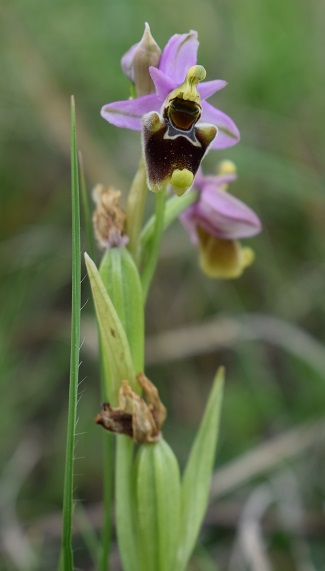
pixel 267 328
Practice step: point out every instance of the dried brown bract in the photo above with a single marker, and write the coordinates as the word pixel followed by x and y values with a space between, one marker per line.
pixel 141 419
pixel 109 218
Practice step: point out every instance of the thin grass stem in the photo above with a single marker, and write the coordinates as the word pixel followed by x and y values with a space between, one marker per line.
pixel 67 561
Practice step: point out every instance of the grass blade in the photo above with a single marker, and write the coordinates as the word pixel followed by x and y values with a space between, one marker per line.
pixel 66 550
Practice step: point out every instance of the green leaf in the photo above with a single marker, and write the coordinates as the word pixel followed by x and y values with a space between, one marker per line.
pixel 122 281
pixel 115 305
pixel 116 350
pixel 158 502
pixel 108 479
pixel 197 475
pixel 66 561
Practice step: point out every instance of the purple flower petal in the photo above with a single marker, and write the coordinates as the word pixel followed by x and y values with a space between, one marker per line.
pixel 128 113
pixel 228 134
pixel 216 181
pixel 127 62
pixel 164 85
pixel 179 55
pixel 225 216
pixel 208 88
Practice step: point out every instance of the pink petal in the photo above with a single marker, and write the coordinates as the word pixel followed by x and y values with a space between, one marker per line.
pixel 164 85
pixel 225 216
pixel 214 180
pixel 128 113
pixel 127 62
pixel 179 55
pixel 228 134
pixel 208 88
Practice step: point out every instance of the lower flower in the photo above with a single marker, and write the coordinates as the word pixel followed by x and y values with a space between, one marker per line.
pixel 216 222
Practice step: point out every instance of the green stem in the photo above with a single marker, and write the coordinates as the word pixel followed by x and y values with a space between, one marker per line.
pixel 135 209
pixel 153 253
pixel 173 208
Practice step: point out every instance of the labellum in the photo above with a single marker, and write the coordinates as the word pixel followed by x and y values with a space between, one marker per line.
pixel 174 144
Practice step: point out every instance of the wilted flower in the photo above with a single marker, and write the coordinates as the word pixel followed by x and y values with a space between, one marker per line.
pixel 109 218
pixel 141 420
pixel 179 55
pixel 216 222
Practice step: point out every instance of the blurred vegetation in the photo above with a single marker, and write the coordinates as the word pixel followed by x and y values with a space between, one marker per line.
pixel 267 328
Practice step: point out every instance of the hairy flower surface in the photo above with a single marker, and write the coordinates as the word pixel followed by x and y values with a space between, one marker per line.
pixel 179 55
pixel 216 222
pixel 174 142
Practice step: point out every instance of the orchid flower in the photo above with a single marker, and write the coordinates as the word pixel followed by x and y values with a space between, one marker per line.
pixel 216 222
pixel 179 55
pixel 175 142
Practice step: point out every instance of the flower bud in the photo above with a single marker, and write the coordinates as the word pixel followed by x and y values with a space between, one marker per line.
pixel 226 167
pixel 137 60
pixel 109 218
